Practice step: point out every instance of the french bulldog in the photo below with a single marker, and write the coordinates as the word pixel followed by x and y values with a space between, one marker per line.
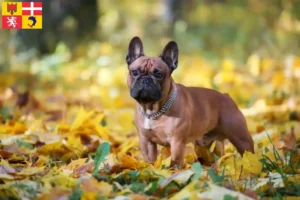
pixel 171 114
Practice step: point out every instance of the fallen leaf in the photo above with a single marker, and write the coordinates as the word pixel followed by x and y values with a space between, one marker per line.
pixel 128 162
pixel 180 178
pixel 92 185
pixel 217 192
pixel 31 171
pixel 56 193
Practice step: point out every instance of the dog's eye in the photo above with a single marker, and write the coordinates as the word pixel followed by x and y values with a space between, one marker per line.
pixel 158 75
pixel 134 73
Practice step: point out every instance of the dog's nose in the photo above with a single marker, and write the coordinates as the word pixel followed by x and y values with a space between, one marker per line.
pixel 146 80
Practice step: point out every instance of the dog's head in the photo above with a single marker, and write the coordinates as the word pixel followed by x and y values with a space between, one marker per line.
pixel 149 78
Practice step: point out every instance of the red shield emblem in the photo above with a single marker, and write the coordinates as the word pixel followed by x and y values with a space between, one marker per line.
pixel 11 8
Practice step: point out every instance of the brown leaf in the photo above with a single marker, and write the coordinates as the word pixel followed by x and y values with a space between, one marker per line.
pixel 55 115
pixel 56 194
pixel 83 169
pixel 14 148
pixel 5 154
pixel 22 99
pixel 290 140
pixel 92 185
pixel 137 197
pixel 251 193
pixel 79 166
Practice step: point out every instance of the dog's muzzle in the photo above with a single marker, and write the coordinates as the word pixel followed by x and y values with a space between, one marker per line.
pixel 145 90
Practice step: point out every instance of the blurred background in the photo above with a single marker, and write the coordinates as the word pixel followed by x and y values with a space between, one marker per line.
pixel 247 48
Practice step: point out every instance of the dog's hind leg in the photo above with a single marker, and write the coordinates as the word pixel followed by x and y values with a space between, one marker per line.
pixel 234 126
pixel 203 145
pixel 204 156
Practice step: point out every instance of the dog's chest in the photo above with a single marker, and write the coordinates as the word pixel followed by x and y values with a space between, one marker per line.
pixel 147 124
pixel 157 131
pixel 153 125
pixel 147 121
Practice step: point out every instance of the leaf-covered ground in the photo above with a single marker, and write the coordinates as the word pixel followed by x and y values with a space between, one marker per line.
pixel 67 131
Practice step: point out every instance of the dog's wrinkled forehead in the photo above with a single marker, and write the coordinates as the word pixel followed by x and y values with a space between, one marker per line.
pixel 146 63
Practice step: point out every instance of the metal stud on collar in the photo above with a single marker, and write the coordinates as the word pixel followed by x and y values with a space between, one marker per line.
pixel 163 109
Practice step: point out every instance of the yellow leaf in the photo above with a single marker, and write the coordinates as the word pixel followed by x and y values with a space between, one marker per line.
pixel 188 192
pixel 38 126
pixel 13 127
pixel 63 128
pixel 166 161
pixel 19 128
pixel 74 164
pixel 6 177
pixel 163 172
pixel 74 144
pixel 81 117
pixel 233 166
pixel 212 147
pixel 31 170
pixel 158 162
pixel 128 144
pixel 101 131
pixel 89 196
pixel 128 162
pixel 165 152
pixel 55 149
pixel 278 79
pixel 236 167
pixel 41 161
pixel 56 178
pixel 271 155
pixel 291 198
pixel 71 150
pixel 190 158
pixel 294 178
pixel 251 163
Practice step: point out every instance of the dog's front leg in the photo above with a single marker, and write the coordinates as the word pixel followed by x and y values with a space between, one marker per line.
pixel 177 153
pixel 148 149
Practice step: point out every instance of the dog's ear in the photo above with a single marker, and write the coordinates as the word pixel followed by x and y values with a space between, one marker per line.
pixel 170 55
pixel 135 50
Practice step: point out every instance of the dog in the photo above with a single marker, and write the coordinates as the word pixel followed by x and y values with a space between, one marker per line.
pixel 171 114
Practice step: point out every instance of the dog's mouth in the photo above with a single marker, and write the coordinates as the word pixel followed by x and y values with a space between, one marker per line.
pixel 145 95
